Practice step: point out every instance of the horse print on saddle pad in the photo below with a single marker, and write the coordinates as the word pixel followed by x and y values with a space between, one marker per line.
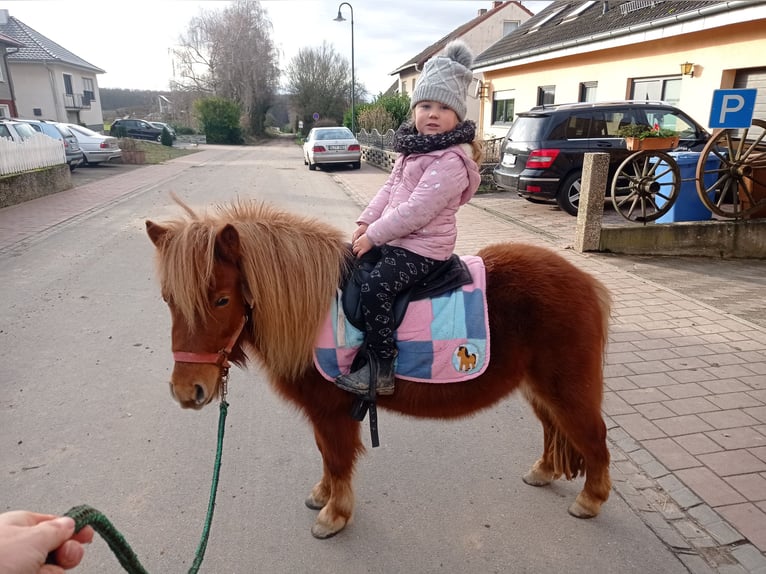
pixel 444 339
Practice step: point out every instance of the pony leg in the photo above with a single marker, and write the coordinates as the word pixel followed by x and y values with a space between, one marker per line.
pixel 543 471
pixel 573 446
pixel 339 442
pixel 320 494
pixel 590 440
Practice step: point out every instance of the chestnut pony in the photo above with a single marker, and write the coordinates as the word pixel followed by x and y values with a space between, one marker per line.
pixel 279 271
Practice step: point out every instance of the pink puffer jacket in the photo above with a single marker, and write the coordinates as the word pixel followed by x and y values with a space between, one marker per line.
pixel 416 207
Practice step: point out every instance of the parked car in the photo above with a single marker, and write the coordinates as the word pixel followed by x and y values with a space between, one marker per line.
pixel 331 145
pixel 543 153
pixel 15 131
pixel 96 147
pixel 74 155
pixel 161 125
pixel 137 129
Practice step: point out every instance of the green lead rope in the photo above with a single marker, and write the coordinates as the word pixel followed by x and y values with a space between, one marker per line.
pixel 85 515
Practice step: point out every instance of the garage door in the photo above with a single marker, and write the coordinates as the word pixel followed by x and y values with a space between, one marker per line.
pixel 754 78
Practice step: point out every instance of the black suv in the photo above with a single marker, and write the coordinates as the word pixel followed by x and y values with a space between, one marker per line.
pixel 542 155
pixel 138 129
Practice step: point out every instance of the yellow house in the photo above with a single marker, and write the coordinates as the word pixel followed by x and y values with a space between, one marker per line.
pixel 678 52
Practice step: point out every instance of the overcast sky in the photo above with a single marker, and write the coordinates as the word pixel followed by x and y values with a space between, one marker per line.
pixel 130 39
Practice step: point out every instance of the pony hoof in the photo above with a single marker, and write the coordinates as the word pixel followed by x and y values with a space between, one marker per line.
pixel 535 478
pixel 578 510
pixel 322 531
pixel 314 504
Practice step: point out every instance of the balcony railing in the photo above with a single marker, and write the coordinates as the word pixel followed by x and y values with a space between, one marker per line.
pixel 76 102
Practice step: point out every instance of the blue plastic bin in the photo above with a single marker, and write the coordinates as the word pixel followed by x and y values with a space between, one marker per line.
pixel 688 206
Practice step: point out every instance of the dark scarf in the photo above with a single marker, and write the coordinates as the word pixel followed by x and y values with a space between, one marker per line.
pixel 407 140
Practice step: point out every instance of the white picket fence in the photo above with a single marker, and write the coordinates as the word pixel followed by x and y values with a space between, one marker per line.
pixel 37 152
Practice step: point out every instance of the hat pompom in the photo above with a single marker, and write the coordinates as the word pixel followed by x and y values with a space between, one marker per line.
pixel 459 52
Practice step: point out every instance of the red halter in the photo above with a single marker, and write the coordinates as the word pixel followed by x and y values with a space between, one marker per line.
pixel 221 358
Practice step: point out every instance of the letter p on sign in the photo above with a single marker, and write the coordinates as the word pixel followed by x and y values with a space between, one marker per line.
pixel 732 108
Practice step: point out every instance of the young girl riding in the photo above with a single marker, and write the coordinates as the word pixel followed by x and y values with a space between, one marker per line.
pixel 411 220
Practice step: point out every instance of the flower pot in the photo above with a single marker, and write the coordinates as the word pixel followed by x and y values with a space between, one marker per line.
pixel 636 144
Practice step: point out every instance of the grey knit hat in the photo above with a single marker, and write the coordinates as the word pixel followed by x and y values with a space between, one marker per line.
pixel 445 78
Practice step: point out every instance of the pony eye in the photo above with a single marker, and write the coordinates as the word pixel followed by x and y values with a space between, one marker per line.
pixel 222 302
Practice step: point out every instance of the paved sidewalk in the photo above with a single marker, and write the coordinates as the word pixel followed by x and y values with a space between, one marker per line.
pixel 685 397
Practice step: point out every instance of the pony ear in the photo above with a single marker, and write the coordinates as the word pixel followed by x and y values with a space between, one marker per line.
pixel 156 232
pixel 227 243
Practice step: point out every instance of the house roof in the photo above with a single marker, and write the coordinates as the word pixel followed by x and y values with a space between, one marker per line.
pixel 8 41
pixel 437 46
pixel 37 48
pixel 567 23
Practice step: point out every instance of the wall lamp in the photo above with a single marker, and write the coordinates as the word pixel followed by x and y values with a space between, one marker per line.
pixel 687 69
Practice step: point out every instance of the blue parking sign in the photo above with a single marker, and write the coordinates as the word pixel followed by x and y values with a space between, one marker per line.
pixel 732 108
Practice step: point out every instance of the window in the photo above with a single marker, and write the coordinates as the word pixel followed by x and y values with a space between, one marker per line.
pixel 413 84
pixel 578 10
pixel 546 95
pixel 68 84
pixel 657 89
pixel 536 26
pixel 502 107
pixel 88 92
pixel 404 87
pixel 588 91
pixel 5 111
pixel 2 79
pixel 37 112
pixel 509 26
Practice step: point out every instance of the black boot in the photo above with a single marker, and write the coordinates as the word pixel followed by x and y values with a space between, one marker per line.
pixel 377 369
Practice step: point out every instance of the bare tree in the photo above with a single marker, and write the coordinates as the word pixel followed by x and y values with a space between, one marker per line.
pixel 319 81
pixel 230 54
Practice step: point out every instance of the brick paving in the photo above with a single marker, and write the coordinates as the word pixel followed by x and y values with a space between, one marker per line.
pixel 685 373
pixel 685 377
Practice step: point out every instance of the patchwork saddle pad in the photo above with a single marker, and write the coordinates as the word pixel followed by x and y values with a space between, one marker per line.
pixel 444 339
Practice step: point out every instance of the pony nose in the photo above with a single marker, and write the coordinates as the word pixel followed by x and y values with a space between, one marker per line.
pixel 199 395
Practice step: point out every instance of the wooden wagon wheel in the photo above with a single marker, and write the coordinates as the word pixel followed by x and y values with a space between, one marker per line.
pixel 731 173
pixel 645 186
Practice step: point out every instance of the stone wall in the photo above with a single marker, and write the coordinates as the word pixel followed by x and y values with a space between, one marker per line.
pixel 22 187
pixel 379 157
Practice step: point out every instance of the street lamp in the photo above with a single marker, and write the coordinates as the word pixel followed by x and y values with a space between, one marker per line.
pixel 340 18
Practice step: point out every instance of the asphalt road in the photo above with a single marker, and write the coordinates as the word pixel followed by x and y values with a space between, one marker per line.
pixel 87 419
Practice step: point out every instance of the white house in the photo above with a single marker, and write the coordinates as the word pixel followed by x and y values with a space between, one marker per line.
pixel 50 82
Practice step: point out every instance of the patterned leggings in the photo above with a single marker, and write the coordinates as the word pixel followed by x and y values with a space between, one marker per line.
pixel 397 270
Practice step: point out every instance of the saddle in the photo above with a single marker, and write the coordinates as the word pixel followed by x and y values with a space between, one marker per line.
pixel 447 276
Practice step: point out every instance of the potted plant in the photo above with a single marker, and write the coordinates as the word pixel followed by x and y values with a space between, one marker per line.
pixel 643 137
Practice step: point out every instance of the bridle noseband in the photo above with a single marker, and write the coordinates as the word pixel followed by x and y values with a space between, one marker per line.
pixel 221 358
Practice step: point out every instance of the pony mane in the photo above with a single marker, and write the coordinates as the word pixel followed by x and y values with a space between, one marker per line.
pixel 291 267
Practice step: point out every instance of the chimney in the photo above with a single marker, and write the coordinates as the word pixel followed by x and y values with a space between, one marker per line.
pixel 3 17
pixel 496 3
pixel 482 11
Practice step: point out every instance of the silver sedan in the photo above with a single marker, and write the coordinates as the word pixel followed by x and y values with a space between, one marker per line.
pixel 331 145
pixel 96 147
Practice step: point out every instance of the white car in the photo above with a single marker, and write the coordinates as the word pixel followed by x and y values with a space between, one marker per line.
pixel 331 145
pixel 15 131
pixel 96 147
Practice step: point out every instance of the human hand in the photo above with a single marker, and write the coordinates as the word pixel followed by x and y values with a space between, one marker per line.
pixel 361 230
pixel 26 538
pixel 361 245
